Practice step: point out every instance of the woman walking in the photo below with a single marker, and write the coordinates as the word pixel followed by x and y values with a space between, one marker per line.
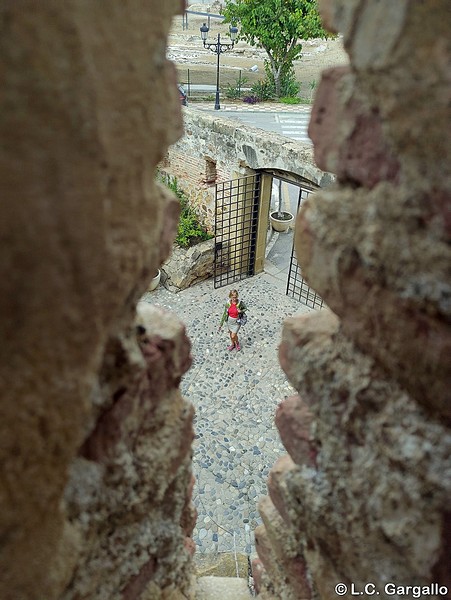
pixel 233 310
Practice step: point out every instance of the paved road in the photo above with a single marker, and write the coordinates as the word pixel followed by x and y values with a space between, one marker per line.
pixel 292 124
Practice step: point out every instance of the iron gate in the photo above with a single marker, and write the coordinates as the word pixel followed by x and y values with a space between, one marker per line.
pixel 236 220
pixel 297 287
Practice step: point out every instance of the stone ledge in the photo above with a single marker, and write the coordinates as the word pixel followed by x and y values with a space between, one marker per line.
pixel 225 588
pixel 224 564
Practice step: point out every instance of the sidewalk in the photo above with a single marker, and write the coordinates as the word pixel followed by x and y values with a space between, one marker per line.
pixel 235 395
pixel 258 107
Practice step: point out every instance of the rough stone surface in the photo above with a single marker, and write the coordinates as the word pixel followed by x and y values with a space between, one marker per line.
pixel 383 470
pixel 365 488
pixel 143 415
pixel 293 420
pixel 92 488
pixel 381 271
pixel 186 267
pixel 348 135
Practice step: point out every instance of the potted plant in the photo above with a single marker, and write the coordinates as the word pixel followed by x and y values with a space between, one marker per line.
pixel 155 281
pixel 281 220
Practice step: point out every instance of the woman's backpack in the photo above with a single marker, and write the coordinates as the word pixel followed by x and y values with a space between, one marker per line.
pixel 242 319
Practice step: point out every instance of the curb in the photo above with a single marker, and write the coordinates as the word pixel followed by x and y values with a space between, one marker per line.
pixel 262 107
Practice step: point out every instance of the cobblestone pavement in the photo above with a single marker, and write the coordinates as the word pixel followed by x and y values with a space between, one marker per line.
pixel 235 395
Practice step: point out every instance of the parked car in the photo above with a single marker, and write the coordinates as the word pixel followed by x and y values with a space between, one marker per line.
pixel 183 96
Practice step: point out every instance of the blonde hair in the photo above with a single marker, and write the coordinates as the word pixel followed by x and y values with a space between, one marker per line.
pixel 233 292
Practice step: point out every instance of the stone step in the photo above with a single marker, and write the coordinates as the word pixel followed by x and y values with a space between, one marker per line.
pixel 223 588
pixel 222 564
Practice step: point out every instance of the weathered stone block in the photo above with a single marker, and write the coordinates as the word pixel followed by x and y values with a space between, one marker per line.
pixel 380 275
pixel 283 471
pixel 186 267
pixel 258 574
pixel 293 420
pixel 314 330
pixel 272 566
pixel 287 549
pixel 373 460
pixel 347 132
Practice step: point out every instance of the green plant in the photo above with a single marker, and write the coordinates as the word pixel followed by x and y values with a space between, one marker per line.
pixel 304 100
pixel 263 90
pixel 234 91
pixel 312 86
pixel 289 87
pixel 290 100
pixel 190 230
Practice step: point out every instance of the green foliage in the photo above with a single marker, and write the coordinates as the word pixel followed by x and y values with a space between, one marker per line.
pixel 265 89
pixel 290 100
pixel 235 91
pixel 312 86
pixel 276 26
pixel 190 230
pixel 289 87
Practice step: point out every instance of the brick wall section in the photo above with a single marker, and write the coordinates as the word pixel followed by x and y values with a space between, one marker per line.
pixel 366 485
pixel 191 173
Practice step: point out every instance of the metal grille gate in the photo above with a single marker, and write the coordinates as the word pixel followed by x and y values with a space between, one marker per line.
pixel 236 220
pixel 297 287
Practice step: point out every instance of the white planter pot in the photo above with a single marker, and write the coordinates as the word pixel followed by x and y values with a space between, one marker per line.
pixel 155 281
pixel 281 221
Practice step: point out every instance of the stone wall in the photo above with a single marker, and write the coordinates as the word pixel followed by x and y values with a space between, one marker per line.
pixel 96 478
pixel 364 490
pixel 237 150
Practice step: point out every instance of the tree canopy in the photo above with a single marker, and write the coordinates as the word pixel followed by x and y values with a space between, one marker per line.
pixel 276 26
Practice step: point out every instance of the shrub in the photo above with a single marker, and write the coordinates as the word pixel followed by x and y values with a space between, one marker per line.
pixel 265 89
pixel 289 87
pixel 190 230
pixel 234 91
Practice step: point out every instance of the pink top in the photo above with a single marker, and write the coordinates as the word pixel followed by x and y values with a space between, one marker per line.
pixel 233 311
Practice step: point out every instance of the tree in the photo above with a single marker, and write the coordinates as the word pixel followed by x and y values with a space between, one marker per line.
pixel 276 26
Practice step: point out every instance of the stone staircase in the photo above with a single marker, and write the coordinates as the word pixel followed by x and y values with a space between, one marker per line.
pixel 222 588
pixel 223 576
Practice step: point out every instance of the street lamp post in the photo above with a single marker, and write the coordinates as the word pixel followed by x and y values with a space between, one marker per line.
pixel 218 48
